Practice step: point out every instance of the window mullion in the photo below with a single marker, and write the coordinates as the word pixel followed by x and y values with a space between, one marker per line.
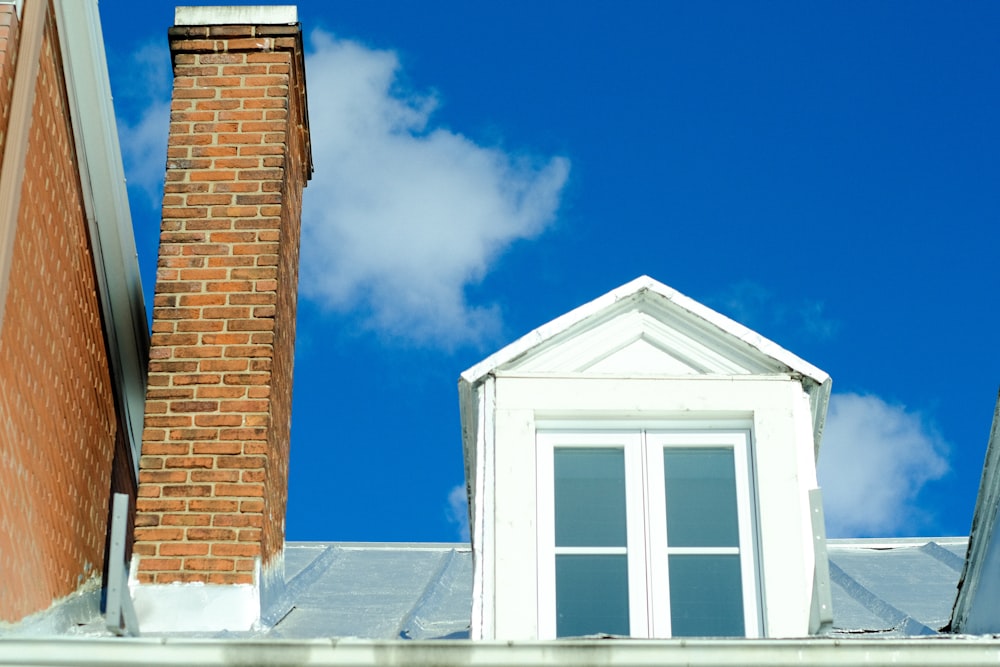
pixel 636 526
pixel 647 545
pixel 659 580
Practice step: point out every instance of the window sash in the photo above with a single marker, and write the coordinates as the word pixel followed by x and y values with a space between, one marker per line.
pixel 647 549
pixel 634 521
pixel 658 549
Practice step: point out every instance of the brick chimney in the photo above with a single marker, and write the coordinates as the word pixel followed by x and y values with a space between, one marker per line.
pixel 214 468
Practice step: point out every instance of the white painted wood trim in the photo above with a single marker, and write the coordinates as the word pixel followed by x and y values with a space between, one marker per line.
pixel 637 524
pixel 632 290
pixel 546 527
pixel 545 445
pixel 647 547
pixel 739 441
pixel 487 622
pixel 775 411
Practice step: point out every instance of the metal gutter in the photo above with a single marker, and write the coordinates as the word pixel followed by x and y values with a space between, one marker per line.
pixel 83 652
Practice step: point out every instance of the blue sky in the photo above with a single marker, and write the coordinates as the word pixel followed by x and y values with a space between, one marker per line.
pixel 825 173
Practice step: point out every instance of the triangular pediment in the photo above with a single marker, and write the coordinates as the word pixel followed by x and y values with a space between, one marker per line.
pixel 644 328
pixel 642 354
pixel 637 337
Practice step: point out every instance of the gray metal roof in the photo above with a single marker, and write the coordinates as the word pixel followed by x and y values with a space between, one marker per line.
pixel 375 591
pixel 893 587
pixel 386 591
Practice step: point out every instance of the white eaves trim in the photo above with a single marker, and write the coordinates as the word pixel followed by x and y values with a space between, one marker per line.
pixel 816 382
pixel 163 651
pixel 106 202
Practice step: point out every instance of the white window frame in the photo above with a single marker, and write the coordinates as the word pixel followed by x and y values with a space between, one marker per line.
pixel 646 535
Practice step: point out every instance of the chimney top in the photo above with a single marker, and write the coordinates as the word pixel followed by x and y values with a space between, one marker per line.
pixel 237 15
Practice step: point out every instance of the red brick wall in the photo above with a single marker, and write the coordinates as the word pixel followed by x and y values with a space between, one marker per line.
pixel 8 56
pixel 297 164
pixel 213 475
pixel 59 426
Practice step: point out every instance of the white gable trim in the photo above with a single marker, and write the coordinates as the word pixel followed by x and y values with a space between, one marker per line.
pixel 632 290
pixel 745 350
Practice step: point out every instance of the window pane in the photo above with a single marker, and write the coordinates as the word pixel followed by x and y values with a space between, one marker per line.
pixel 590 497
pixel 706 596
pixel 701 497
pixel 591 595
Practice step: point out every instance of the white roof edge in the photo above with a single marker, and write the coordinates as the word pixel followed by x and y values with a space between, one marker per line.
pixel 237 15
pixel 845 652
pixel 102 175
pixel 643 283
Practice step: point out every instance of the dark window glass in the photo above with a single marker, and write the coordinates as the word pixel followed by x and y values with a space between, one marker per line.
pixel 706 596
pixel 590 497
pixel 591 595
pixel 701 497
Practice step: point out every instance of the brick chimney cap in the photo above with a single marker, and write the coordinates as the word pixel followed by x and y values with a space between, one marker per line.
pixel 237 15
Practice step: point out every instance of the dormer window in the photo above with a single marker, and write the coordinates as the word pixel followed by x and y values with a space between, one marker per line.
pixel 646 533
pixel 644 466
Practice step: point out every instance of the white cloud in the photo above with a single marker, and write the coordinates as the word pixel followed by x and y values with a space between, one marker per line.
pixel 142 106
pixel 874 460
pixel 458 511
pixel 144 150
pixel 401 217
